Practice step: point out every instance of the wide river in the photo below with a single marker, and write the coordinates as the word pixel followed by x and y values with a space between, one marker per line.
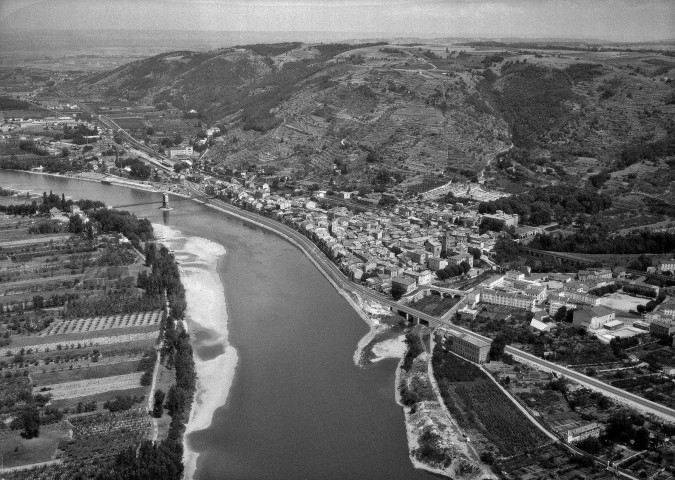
pixel 298 408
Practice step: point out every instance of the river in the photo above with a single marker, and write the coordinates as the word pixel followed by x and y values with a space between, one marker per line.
pixel 298 408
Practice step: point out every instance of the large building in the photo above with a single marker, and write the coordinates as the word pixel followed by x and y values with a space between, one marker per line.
pixel 580 433
pixel 504 218
pixel 592 317
pixel 666 266
pixel 474 349
pixel 406 284
pixel 180 151
pixel 508 299
pixel 661 328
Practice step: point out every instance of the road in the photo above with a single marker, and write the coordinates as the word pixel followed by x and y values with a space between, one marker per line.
pixel 333 273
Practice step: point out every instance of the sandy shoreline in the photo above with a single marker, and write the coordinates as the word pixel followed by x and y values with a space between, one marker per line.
pixel 206 310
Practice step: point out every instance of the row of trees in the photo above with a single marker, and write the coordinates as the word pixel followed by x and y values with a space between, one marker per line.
pixel 594 239
pixel 163 459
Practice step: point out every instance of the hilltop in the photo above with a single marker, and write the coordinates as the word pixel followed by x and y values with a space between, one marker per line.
pixel 390 116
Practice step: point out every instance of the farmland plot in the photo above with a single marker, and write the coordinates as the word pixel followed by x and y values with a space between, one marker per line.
pixel 77 325
pixel 82 388
pixel 86 373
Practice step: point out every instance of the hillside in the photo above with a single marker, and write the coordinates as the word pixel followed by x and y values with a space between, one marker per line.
pixel 398 115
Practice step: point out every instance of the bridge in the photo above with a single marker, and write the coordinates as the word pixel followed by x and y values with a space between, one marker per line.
pixel 337 278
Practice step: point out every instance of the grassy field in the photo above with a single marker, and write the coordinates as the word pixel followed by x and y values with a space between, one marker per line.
pixel 17 450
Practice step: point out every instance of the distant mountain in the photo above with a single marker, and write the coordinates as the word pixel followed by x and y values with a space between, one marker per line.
pixel 406 114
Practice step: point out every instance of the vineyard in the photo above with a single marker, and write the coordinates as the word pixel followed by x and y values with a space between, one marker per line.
pixel 103 435
pixel 480 407
pixel 78 325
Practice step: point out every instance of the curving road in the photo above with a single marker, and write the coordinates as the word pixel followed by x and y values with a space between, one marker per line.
pixel 333 273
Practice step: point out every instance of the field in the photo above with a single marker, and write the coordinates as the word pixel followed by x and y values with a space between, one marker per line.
pixel 621 301
pixel 138 319
pixel 76 334
pixel 20 451
pixel 87 373
pixel 481 409
pixel 83 388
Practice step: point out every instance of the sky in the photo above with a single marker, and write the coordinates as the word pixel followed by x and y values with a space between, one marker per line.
pixel 616 20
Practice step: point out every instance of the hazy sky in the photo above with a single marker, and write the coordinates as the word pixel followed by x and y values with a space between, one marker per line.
pixel 630 20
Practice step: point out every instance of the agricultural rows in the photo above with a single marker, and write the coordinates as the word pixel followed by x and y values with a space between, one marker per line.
pixel 72 344
pixel 91 324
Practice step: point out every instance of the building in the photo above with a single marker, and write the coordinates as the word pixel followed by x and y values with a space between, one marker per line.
pixel 433 247
pixel 180 151
pixel 436 263
pixel 613 325
pixel 668 307
pixel 508 299
pixel 666 266
pixel 661 328
pixel 422 278
pixel 417 256
pixel 594 273
pixel 406 284
pixel 504 218
pixel 580 433
pixel 473 349
pixel 592 317
pixel 538 292
pixel 462 257
pixel 540 326
pixel 466 313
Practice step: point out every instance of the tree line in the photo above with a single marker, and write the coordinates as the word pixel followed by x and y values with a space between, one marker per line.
pixel 542 205
pixel 596 240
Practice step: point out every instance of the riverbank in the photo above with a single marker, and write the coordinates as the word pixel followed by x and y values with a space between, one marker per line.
pixel 207 319
pixel 435 441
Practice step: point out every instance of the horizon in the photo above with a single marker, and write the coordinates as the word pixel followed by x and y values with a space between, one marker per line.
pixel 616 21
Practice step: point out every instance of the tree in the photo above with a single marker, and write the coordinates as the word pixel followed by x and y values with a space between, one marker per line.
pixel 38 301
pixel 497 347
pixel 397 291
pixel 75 224
pixel 590 445
pixel 158 408
pixel 641 439
pixel 560 315
pixel 29 420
